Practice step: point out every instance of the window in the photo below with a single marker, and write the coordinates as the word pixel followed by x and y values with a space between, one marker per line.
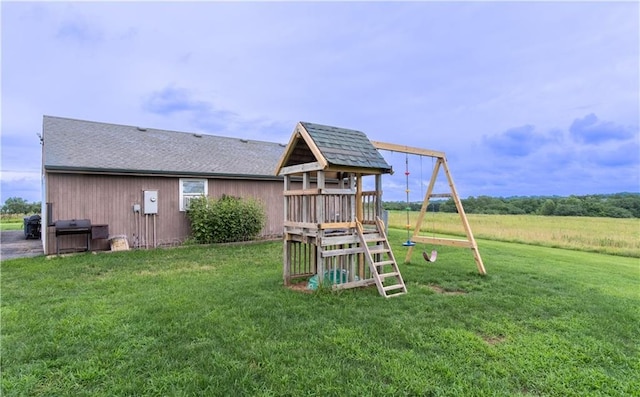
pixel 190 188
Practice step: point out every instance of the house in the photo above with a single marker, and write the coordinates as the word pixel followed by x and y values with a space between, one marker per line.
pixel 136 182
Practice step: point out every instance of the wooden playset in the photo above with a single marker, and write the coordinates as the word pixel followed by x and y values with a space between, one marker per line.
pixel 333 229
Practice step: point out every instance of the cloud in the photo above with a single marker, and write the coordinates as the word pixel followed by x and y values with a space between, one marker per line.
pixel 204 116
pixel 171 99
pixel 591 130
pixel 516 142
pixel 80 30
pixel 620 155
pixel 24 184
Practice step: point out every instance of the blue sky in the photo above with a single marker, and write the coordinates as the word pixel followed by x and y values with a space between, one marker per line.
pixel 525 98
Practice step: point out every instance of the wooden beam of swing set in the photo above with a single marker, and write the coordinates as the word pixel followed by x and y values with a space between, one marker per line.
pixel 441 162
pixel 407 149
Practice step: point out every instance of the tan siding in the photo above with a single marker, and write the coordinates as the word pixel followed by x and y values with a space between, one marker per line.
pixel 109 199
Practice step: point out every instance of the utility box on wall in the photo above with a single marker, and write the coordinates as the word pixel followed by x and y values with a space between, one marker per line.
pixel 150 201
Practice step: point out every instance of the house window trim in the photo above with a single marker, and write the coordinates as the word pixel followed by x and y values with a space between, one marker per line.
pixel 182 194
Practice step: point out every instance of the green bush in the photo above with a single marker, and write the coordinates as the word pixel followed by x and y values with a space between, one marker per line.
pixel 225 219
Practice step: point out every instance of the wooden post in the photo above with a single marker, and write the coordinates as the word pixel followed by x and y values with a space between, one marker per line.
pixel 320 264
pixel 286 243
pixel 463 218
pixel 305 199
pixel 359 217
pixel 378 198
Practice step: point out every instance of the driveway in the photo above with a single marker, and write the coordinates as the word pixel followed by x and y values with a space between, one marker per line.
pixel 14 245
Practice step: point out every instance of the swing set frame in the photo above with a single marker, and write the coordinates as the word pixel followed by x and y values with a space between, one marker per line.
pixel 440 162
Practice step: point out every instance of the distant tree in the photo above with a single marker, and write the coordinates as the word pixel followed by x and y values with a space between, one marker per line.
pixel 616 212
pixel 450 206
pixel 548 208
pixel 15 205
pixel 35 207
pixel 630 202
pixel 528 205
pixel 593 206
pixel 571 206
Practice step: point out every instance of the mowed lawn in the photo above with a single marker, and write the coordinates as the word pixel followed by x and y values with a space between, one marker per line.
pixel 217 321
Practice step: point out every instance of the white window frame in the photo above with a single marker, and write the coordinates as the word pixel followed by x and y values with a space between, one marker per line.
pixel 185 197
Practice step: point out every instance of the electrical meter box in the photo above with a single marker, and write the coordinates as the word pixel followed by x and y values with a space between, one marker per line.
pixel 150 201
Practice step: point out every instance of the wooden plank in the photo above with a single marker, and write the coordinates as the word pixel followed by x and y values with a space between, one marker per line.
pixel 338 191
pixel 303 225
pixel 393 287
pixel 302 192
pixel 387 275
pixel 358 170
pixel 378 249
pixel 300 168
pixel 354 284
pixel 407 149
pixel 463 217
pixel 337 225
pixel 301 237
pixel 342 251
pixel 337 240
pixel 373 237
pixel 442 241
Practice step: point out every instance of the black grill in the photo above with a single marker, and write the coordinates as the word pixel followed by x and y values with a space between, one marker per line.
pixel 72 227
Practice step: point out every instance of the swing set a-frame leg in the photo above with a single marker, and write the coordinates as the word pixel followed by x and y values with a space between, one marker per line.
pixel 469 243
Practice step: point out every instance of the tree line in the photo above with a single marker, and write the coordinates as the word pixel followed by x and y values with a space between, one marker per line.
pixel 19 206
pixel 619 205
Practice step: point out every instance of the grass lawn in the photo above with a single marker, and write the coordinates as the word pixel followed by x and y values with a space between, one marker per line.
pixel 12 225
pixel 217 321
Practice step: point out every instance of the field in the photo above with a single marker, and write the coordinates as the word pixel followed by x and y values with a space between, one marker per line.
pixel 216 320
pixel 602 235
pixel 11 222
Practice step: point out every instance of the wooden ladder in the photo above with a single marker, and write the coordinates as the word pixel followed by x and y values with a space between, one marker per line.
pixel 380 259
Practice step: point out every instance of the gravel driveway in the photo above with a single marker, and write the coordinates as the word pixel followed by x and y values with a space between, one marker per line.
pixel 14 245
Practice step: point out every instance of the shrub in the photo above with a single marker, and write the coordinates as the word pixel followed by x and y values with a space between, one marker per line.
pixel 225 219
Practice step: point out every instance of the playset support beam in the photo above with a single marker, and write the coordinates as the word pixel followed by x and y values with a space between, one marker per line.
pixel 441 161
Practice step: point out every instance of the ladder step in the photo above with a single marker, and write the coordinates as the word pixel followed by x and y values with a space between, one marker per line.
pixel 393 287
pixel 379 249
pixel 387 275
pixel 384 263
pixel 373 237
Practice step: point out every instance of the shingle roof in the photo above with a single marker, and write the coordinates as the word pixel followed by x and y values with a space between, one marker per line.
pixel 345 147
pixel 93 146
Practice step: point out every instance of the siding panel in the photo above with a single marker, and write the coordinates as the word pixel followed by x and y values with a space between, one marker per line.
pixel 109 199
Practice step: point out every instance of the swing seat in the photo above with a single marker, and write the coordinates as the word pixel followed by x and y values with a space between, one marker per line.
pixel 432 258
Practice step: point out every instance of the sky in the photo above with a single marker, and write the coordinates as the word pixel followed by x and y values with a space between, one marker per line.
pixel 525 98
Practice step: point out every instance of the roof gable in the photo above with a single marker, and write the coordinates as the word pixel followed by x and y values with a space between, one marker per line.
pixel 79 145
pixel 332 148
